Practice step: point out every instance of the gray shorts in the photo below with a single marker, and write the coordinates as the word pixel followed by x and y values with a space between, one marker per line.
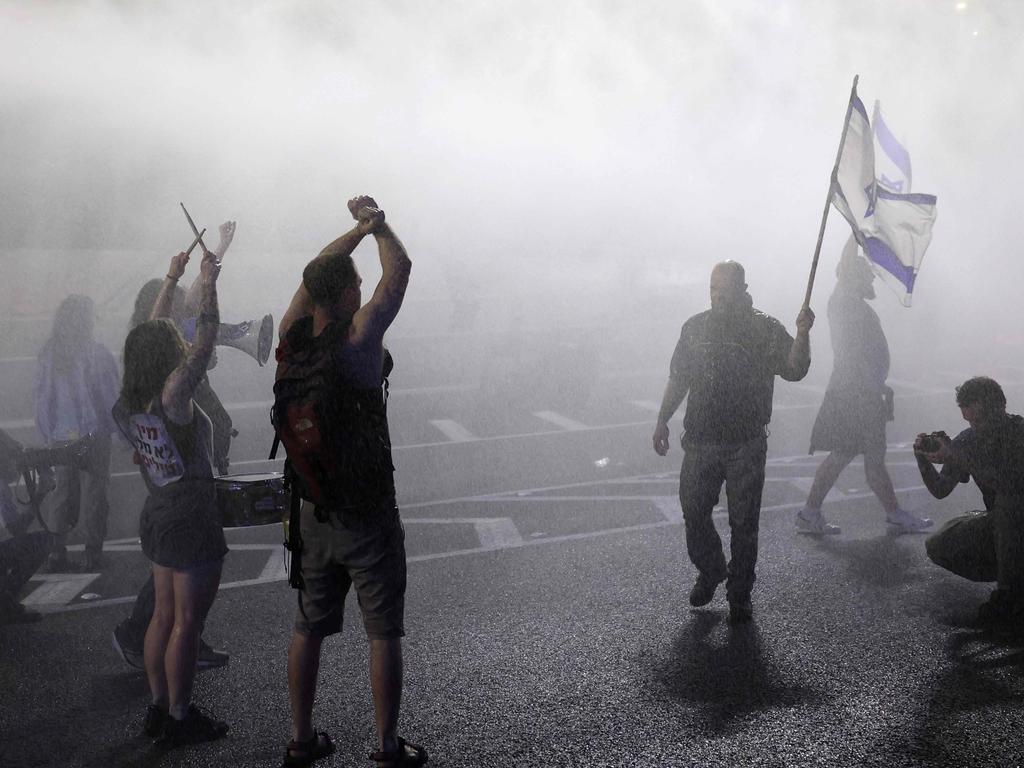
pixel 365 550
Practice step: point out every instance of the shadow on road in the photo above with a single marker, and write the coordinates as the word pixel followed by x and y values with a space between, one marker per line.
pixel 984 681
pixel 884 561
pixel 727 681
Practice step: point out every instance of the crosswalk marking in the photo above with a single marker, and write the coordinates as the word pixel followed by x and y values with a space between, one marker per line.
pixel 58 588
pixel 804 484
pixel 275 569
pixel 669 507
pixel 453 430
pixel 499 533
pixel 559 420
pixel 647 405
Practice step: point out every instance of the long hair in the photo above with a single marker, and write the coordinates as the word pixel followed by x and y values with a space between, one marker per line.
pixel 72 331
pixel 146 298
pixel 151 352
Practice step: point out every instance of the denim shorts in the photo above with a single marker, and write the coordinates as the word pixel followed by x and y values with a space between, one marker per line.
pixel 361 549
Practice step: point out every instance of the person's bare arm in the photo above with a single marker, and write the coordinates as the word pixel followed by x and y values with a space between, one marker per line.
pixel 798 361
pixel 181 384
pixel 372 319
pixel 194 294
pixel 165 299
pixel 675 393
pixel 302 304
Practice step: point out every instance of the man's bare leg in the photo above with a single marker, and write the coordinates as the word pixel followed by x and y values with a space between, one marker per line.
pixel 386 685
pixel 303 668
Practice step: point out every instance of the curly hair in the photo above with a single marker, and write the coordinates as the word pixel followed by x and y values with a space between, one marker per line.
pixel 983 391
pixel 152 351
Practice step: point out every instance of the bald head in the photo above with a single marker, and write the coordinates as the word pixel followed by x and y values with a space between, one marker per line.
pixel 728 285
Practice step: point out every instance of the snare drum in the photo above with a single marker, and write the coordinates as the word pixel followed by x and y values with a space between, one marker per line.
pixel 256 499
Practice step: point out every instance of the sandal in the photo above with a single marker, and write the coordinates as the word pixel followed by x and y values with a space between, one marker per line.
pixel 406 755
pixel 302 753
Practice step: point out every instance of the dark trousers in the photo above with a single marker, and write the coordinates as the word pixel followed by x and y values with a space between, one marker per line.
pixel 985 546
pixel 82 488
pixel 741 467
pixel 20 557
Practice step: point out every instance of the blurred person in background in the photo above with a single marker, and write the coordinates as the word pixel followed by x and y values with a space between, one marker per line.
pixel 76 385
pixel 179 527
pixel 857 403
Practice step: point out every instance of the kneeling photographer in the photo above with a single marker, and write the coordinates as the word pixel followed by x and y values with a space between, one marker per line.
pixel 988 545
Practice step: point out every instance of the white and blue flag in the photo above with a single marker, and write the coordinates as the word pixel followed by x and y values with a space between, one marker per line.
pixel 891 224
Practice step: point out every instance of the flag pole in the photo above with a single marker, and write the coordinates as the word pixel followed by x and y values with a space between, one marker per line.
pixel 828 197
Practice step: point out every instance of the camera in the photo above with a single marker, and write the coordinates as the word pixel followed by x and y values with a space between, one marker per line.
pixel 933 442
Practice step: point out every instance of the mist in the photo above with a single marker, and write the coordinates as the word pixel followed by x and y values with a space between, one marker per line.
pixel 572 163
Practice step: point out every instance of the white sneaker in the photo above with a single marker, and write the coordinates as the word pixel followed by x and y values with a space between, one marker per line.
pixel 906 522
pixel 813 522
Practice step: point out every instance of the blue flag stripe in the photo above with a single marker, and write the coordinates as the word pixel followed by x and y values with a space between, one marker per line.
pixel 890 145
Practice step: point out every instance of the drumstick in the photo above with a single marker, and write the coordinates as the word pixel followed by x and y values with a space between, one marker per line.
pixel 195 231
pixel 199 236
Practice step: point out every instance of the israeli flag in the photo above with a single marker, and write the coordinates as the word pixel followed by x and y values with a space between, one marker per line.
pixel 894 228
pixel 892 164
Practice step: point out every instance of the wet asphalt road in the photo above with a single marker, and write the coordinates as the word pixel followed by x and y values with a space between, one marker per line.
pixel 547 617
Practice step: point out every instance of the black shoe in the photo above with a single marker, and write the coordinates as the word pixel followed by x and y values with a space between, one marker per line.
pixel 156 717
pixel 740 610
pixel 703 590
pixel 195 728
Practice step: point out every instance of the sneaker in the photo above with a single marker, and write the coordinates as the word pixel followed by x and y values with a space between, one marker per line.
pixel 740 610
pixel 703 590
pixel 905 522
pixel 153 725
pixel 128 651
pixel 813 522
pixel 209 658
pixel 196 727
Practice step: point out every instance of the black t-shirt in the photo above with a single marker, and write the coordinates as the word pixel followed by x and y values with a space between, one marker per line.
pixel 729 362
pixel 994 457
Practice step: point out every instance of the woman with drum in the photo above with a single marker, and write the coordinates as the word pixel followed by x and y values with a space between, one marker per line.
pixel 179 527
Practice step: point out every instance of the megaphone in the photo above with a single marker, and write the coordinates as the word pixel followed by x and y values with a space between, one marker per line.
pixel 252 337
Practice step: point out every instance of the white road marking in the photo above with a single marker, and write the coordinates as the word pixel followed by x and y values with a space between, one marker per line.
pixel 453 430
pixel 275 569
pixel 803 484
pixel 560 421
pixel 669 507
pixel 58 589
pixel 647 405
pixel 499 533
